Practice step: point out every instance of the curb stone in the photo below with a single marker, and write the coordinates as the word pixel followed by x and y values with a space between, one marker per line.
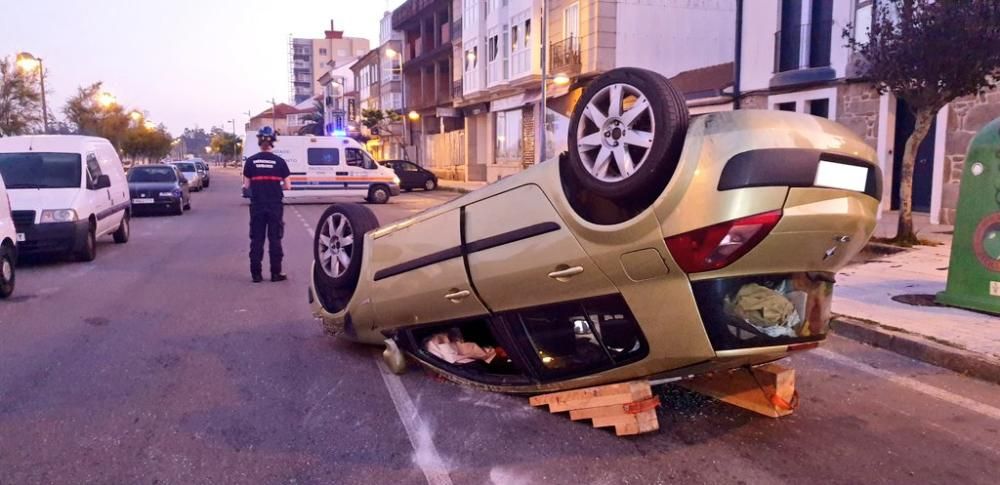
pixel 919 348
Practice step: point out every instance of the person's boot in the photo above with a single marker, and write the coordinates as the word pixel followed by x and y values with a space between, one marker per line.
pixel 278 277
pixel 257 277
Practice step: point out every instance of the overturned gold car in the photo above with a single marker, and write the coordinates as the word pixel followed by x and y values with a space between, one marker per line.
pixel 656 247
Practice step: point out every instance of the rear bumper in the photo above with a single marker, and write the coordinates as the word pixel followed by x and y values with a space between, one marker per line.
pixel 58 237
pixel 394 189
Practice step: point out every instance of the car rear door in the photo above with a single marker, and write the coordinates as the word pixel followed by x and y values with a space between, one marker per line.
pixel 419 275
pixel 99 199
pixel 410 175
pixel 521 254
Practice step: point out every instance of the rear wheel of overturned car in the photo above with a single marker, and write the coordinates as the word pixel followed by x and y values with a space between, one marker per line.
pixel 7 272
pixel 338 245
pixel 626 134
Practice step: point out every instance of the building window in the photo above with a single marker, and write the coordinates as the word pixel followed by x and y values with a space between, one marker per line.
pixel 789 106
pixel 571 21
pixel 513 38
pixel 805 38
pixel 322 52
pixel 820 107
pixel 491 46
pixel 527 33
pixel 508 136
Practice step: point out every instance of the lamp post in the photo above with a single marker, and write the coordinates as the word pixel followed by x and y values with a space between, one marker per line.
pixel 28 62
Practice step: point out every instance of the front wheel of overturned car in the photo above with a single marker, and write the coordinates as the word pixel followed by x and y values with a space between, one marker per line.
pixel 626 134
pixel 338 245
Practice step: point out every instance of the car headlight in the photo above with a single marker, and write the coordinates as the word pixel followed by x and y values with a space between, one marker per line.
pixel 57 215
pixel 170 194
pixel 395 179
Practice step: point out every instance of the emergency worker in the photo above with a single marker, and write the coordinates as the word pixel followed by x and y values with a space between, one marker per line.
pixel 265 175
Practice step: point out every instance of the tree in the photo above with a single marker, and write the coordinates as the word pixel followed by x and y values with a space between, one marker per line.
pixel 928 53
pixel 382 122
pixel 140 141
pixel 20 100
pixel 90 118
pixel 225 143
pixel 315 121
pixel 194 140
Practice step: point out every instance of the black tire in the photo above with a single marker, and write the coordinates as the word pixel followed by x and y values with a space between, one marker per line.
pixel 8 275
pixel 595 167
pixel 179 210
pixel 379 194
pixel 408 189
pixel 124 229
pixel 88 252
pixel 430 184
pixel 335 284
pixel 187 205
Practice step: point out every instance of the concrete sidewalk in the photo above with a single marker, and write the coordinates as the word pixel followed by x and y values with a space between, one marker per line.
pixel 460 187
pixel 961 340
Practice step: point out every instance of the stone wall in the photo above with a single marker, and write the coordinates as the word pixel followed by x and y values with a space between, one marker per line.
pixel 754 101
pixel 528 135
pixel 857 109
pixel 966 116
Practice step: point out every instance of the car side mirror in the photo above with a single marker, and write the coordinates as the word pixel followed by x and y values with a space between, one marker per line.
pixel 102 182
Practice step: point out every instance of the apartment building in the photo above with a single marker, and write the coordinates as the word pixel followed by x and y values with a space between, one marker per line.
pixel 309 59
pixel 378 79
pixel 793 57
pixel 501 42
pixel 337 83
pixel 428 82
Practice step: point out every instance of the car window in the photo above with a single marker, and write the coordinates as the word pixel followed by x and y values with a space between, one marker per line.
pixel 409 167
pixel 40 170
pixel 93 167
pixel 152 174
pixel 358 158
pixel 185 167
pixel 323 156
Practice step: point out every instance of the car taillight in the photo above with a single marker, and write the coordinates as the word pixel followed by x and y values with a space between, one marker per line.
pixel 718 246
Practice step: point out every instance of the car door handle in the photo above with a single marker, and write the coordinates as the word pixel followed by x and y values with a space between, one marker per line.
pixel 457 296
pixel 564 274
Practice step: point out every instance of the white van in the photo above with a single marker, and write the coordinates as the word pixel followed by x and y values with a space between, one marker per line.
pixel 8 245
pixel 65 192
pixel 330 166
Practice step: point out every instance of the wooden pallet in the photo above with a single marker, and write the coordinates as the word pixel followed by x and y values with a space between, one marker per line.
pixel 768 389
pixel 629 407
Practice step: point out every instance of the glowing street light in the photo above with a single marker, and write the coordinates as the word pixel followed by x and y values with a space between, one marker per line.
pixel 149 125
pixel 391 53
pixel 413 116
pixel 106 99
pixel 28 63
pixel 560 79
pixel 208 149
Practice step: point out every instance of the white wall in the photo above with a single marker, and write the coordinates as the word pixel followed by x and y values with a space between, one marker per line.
pixel 760 22
pixel 670 36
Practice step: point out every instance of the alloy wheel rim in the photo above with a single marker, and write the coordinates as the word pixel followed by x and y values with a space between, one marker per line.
pixel 429 184
pixel 6 270
pixel 615 133
pixel 380 196
pixel 336 245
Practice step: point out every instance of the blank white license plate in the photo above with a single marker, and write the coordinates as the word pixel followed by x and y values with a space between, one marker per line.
pixel 19 236
pixel 841 176
pixel 143 201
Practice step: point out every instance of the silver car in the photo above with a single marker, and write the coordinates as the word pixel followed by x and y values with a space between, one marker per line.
pixel 191 173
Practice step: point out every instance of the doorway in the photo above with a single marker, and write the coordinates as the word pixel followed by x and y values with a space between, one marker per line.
pixel 923 169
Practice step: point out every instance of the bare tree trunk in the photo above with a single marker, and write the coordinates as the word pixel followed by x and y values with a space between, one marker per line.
pixel 905 234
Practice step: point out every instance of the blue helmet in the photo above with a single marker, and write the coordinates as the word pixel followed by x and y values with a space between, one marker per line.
pixel 266 135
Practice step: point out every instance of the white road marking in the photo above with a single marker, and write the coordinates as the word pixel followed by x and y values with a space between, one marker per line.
pixel 418 432
pixel 425 453
pixel 912 384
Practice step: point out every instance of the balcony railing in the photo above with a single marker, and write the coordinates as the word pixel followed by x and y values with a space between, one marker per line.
pixel 803 47
pixel 564 56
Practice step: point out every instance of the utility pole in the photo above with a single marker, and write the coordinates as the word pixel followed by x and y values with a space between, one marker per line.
pixel 542 105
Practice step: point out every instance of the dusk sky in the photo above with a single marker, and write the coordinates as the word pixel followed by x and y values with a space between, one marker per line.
pixel 185 62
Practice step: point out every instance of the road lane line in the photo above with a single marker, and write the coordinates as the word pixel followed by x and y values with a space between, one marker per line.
pixel 912 384
pixel 425 454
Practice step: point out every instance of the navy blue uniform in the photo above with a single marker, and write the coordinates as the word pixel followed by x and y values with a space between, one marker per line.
pixel 266 172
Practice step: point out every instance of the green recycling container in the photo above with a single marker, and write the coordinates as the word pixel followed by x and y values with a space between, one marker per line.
pixel 974 271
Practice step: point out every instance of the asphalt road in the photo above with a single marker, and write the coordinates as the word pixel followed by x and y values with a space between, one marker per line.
pixel 162 363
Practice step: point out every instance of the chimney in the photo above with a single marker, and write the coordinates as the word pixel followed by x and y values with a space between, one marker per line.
pixel 333 33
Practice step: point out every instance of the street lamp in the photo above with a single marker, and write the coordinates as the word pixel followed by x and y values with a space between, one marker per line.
pixel 560 79
pixel 136 116
pixel 106 99
pixel 149 125
pixel 29 63
pixel 413 115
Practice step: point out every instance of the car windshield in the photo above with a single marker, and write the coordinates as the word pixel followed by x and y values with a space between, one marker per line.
pixel 39 170
pixel 152 174
pixel 185 167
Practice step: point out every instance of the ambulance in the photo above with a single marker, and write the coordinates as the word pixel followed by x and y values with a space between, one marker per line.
pixel 324 167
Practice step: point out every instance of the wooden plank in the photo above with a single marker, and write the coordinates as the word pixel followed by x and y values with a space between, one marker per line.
pixel 621 419
pixel 579 394
pixel 742 389
pixel 648 421
pixel 593 397
pixel 591 413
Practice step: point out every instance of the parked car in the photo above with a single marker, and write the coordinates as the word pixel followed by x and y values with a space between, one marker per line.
pixel 191 173
pixel 8 245
pixel 331 166
pixel 657 247
pixel 159 187
pixel 66 192
pixel 412 176
pixel 205 172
